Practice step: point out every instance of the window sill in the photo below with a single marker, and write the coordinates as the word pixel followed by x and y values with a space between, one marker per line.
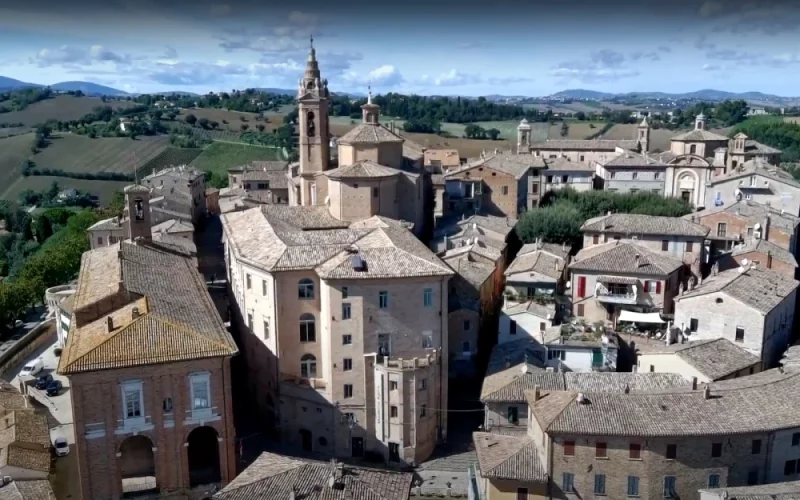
pixel 131 425
pixel 201 416
pixel 601 458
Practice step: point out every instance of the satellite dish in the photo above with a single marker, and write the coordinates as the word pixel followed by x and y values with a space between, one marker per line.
pixel 745 262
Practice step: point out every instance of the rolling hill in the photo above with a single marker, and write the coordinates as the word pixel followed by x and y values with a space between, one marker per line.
pixel 11 84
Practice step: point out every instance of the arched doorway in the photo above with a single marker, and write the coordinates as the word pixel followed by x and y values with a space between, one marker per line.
pixel 137 466
pixel 203 456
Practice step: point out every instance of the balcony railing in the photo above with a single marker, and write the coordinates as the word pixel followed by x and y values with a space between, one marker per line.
pixel 615 297
pixel 314 383
pixel 134 424
pixel 200 415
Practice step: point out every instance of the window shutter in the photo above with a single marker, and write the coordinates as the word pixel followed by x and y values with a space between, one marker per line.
pixel 658 287
pixel 582 286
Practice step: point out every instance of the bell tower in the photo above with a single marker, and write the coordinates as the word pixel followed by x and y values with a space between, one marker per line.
pixel 314 144
pixel 137 201
pixel 643 137
pixel 524 137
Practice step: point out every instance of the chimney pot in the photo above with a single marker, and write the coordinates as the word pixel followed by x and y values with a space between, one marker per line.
pixel 694 383
pixel 110 324
pixel 707 392
pixel 536 393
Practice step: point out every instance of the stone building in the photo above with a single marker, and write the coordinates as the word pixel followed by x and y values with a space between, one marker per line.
pixel 282 477
pixel 670 236
pixel 148 362
pixel 344 329
pixel 183 189
pixel 609 278
pixel 263 181
pixel 702 360
pixel 750 306
pixel 561 172
pixel 788 490
pixel 632 172
pixel 652 444
pixel 441 160
pixel 756 180
pixel 760 253
pixel 25 455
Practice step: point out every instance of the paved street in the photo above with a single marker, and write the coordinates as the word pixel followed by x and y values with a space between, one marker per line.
pixel 33 318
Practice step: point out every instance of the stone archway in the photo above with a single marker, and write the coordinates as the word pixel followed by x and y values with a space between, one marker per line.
pixel 137 466
pixel 203 449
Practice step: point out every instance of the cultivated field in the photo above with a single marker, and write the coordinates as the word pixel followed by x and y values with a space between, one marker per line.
pixel 12 151
pixel 220 156
pixel 170 157
pixel 271 121
pixel 577 130
pixel 62 107
pixel 789 119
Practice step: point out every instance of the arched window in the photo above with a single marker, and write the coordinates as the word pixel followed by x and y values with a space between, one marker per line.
pixel 308 366
pixel 693 149
pixel 310 126
pixel 308 330
pixel 305 289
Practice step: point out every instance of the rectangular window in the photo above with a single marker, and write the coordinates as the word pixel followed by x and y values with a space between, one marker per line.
pixel 599 484
pixel 393 411
pixel 375 192
pixel 423 410
pixel 250 322
pixel 790 468
pixel 796 439
pixel 384 344
pixel 564 179
pixel 581 287
pixel 722 229
pixel 689 246
pixel 595 239
pixel 347 339
pixel 200 392
pixel 522 493
pixel 716 450
pixel 423 384
pixel 635 451
pixel 658 288
pixel 344 292
pixel 347 364
pixel 132 399
pixel 513 415
pixel 672 451
pixel 512 326
pixel 99 240
pixel 601 450
pixel 427 340
pixel 249 282
pixel 264 288
pixel 308 331
pixel 383 299
pixel 427 297
pixel 569 448
pixel 348 390
pixel 693 323
pixel 647 287
pixel 756 447
pixel 664 245
pixel 266 328
pixel 582 158
pixel 633 486
pixel 669 486
pixel 466 325
pixel 550 177
pixel 568 482
pixel 752 477
pixel 393 385
pixel 579 312
pixel 542 326
pixel 739 334
pixel 713 480
pixel 346 310
pixel 505 190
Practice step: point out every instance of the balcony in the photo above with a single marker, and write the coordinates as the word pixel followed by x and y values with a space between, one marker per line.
pixel 313 383
pixel 134 424
pixel 616 297
pixel 201 416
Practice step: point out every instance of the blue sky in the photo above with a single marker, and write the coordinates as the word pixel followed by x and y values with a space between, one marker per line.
pixel 436 47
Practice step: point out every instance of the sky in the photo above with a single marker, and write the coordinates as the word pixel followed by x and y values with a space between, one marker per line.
pixel 441 47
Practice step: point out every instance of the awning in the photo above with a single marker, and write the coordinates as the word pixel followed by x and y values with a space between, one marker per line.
pixel 617 280
pixel 640 317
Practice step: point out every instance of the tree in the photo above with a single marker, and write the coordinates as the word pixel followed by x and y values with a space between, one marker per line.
pixel 203 122
pixel 260 127
pixel 580 115
pixel 244 126
pixel 559 223
pixel 190 119
pixel 494 134
pixel 43 228
pixel 564 129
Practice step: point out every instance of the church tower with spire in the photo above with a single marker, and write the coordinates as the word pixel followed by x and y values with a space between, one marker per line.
pixel 312 104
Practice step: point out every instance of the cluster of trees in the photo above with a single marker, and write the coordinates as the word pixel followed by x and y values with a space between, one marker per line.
pixel 473 131
pixel 775 132
pixel 26 233
pixel 29 168
pixel 49 198
pixel 247 100
pixel 562 213
pixel 11 124
pixel 282 137
pixel 54 262
pixel 17 100
pixel 423 126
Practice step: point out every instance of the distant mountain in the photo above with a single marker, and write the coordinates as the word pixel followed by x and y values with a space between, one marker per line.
pixel 278 91
pixel 583 94
pixel 88 88
pixel 11 84
pixel 703 95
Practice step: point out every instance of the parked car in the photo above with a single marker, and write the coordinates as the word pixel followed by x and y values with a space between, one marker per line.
pixel 32 368
pixel 54 387
pixel 43 381
pixel 61 446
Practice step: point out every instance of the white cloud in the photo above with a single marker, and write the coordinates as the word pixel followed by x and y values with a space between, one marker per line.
pixel 710 8
pixel 454 78
pixel 297 17
pixel 69 55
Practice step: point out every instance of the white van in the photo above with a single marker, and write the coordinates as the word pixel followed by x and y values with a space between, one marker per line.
pixel 32 368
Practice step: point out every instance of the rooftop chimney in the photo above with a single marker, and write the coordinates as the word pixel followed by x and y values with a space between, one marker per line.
pixel 769 259
pixel 292 494
pixel 508 362
pixel 707 392
pixel 536 393
pixel 110 323
pixel 694 383
pixel 134 313
pixel 627 389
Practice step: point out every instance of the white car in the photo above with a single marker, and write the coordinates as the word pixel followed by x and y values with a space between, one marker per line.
pixel 61 446
pixel 32 368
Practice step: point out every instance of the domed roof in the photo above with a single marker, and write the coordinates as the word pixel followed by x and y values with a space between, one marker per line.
pixel 136 188
pixel 524 125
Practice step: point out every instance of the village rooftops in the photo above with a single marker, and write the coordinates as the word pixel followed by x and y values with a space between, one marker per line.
pixel 767 248
pixel 161 311
pixel 764 402
pixel 565 165
pixel 173 226
pixel 274 476
pixel 183 172
pixel 369 133
pixel 548 260
pixel 789 490
pixel 265 237
pixel 756 166
pixel 447 158
pixel 715 358
pixel 699 135
pixel 628 258
pixel 260 166
pixel 509 457
pixel 630 158
pixel 635 224
pixel 516 165
pixel 106 225
pixel 584 144
pixel 362 170
pixel 475 272
pixel 761 289
pixel 753 212
pixel 35 489
pixel 502 225
pixel 752 147
pixel 25 441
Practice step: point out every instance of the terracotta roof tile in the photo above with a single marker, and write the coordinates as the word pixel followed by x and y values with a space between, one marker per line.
pixel 509 457
pixel 616 257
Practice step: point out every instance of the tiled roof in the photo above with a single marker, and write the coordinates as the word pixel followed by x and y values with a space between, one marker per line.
pixel 482 246
pixel 182 172
pixel 25 440
pixel 715 358
pixel 756 166
pixel 764 246
pixel 361 170
pixel 764 402
pixel 173 226
pixel 106 225
pixel 502 225
pixel 509 457
pixel 510 384
pixel 178 244
pixel 516 165
pixel 476 273
pixel 559 250
pixel 644 224
pixel 532 307
pixel 448 157
pixel 266 238
pixel 634 159
pixel 759 288
pixel 36 489
pixel 585 145
pixel 275 476
pixel 381 221
pixel 789 490
pixel 177 319
pixel 755 147
pixel 274 166
pixel 369 133
pixel 699 135
pixel 304 217
pixel 616 257
pixel 538 261
pixel 565 165
pixel 412 150
pixel 276 180
pixel 753 212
